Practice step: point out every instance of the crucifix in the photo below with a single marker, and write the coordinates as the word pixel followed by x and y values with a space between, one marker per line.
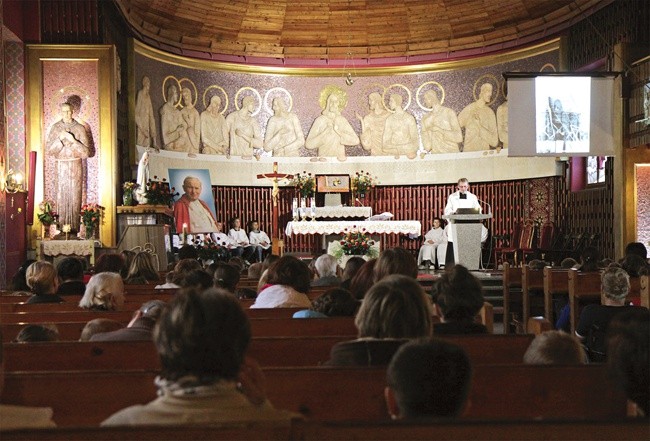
pixel 276 244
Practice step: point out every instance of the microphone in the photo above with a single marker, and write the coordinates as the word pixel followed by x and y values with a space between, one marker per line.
pixel 359 202
pixel 488 206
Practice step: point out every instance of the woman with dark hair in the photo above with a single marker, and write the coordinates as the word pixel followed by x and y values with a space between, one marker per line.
pixel 335 302
pixel 110 262
pixel 287 282
pixel 18 282
pixel 226 276
pixel 363 279
pixel 202 341
pixel 395 261
pixel 458 298
pixel 352 267
pixel 395 310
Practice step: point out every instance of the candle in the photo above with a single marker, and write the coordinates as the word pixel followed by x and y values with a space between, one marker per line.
pixel 295 203
pixel 313 202
pixel 66 228
pixel 303 202
pixel 184 236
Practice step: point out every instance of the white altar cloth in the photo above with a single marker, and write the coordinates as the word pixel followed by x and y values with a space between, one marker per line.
pixel 410 227
pixel 343 212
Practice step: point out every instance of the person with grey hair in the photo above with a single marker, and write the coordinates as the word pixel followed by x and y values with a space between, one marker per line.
pixel 555 347
pixel 104 292
pixel 140 327
pixel 595 318
pixel 326 268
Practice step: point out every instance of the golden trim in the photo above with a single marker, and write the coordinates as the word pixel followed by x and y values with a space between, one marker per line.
pixel 255 92
pixel 478 61
pixel 408 92
pixel 274 89
pixel 214 86
pixel 164 89
pixel 104 55
pixel 419 89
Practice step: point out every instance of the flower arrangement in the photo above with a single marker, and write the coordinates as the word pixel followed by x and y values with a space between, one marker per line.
pixel 159 193
pixel 356 243
pixel 304 183
pixel 91 214
pixel 363 181
pixel 47 216
pixel 208 249
pixel 130 186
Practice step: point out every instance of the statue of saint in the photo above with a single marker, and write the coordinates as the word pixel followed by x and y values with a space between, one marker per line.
pixel 192 121
pixel 174 128
pixel 145 123
pixel 245 134
pixel 68 143
pixel 331 132
pixel 401 132
pixel 373 124
pixel 214 132
pixel 479 122
pixel 440 129
pixel 284 136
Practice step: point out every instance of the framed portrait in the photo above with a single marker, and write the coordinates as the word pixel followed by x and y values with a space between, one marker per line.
pixel 193 184
pixel 333 183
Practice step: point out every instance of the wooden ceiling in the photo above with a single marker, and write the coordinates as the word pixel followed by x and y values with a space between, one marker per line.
pixel 329 30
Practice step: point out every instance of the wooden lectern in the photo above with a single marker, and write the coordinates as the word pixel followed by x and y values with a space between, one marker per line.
pixel 466 236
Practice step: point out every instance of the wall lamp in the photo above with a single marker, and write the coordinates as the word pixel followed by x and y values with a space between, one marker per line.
pixel 14 182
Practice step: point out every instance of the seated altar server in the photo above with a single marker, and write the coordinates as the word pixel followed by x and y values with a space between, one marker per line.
pixel 434 248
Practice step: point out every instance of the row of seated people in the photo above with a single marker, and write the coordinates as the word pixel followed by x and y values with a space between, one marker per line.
pixel 202 338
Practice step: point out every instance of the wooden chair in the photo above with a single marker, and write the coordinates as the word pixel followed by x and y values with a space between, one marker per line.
pixel 556 282
pixel 532 281
pixel 509 246
pixel 511 292
pixel 583 287
pixel 546 238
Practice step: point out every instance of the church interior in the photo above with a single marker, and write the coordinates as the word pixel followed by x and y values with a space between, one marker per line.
pixel 349 128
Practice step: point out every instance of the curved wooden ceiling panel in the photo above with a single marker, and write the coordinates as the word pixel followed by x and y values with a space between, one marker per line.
pixel 367 29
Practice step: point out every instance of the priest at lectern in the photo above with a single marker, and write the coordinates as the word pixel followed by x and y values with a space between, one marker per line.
pixel 459 202
pixel 462 199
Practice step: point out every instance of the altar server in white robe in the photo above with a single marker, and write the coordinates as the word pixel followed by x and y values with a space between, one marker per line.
pixel 434 248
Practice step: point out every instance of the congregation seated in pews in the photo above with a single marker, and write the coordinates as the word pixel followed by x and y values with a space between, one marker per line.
pixel 291 352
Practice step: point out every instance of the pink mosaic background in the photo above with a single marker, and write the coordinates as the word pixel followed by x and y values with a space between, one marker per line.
pixel 643 205
pixel 60 80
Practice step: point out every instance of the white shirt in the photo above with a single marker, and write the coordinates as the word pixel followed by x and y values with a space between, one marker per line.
pixel 222 239
pixel 454 202
pixel 281 296
pixel 257 237
pixel 239 236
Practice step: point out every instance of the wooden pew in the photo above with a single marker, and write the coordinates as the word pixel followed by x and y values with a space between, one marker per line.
pixel 13 298
pixel 497 392
pixel 268 351
pixel 80 315
pixel 511 290
pixel 68 331
pixel 532 281
pixel 582 287
pixel 556 281
pixel 621 429
pixel 299 430
pixel 66 306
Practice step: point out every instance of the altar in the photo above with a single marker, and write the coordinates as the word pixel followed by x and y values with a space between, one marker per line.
pixel 332 231
pixel 409 227
pixel 55 248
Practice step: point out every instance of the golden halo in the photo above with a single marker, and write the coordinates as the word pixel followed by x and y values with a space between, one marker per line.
pixel 279 89
pixel 549 65
pixel 408 92
pixel 59 98
pixel 417 95
pixel 504 85
pixel 225 95
pixel 178 89
pixel 256 93
pixel 495 87
pixel 329 90
pixel 196 93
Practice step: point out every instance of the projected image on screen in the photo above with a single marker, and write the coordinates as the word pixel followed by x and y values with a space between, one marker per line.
pixel 562 114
